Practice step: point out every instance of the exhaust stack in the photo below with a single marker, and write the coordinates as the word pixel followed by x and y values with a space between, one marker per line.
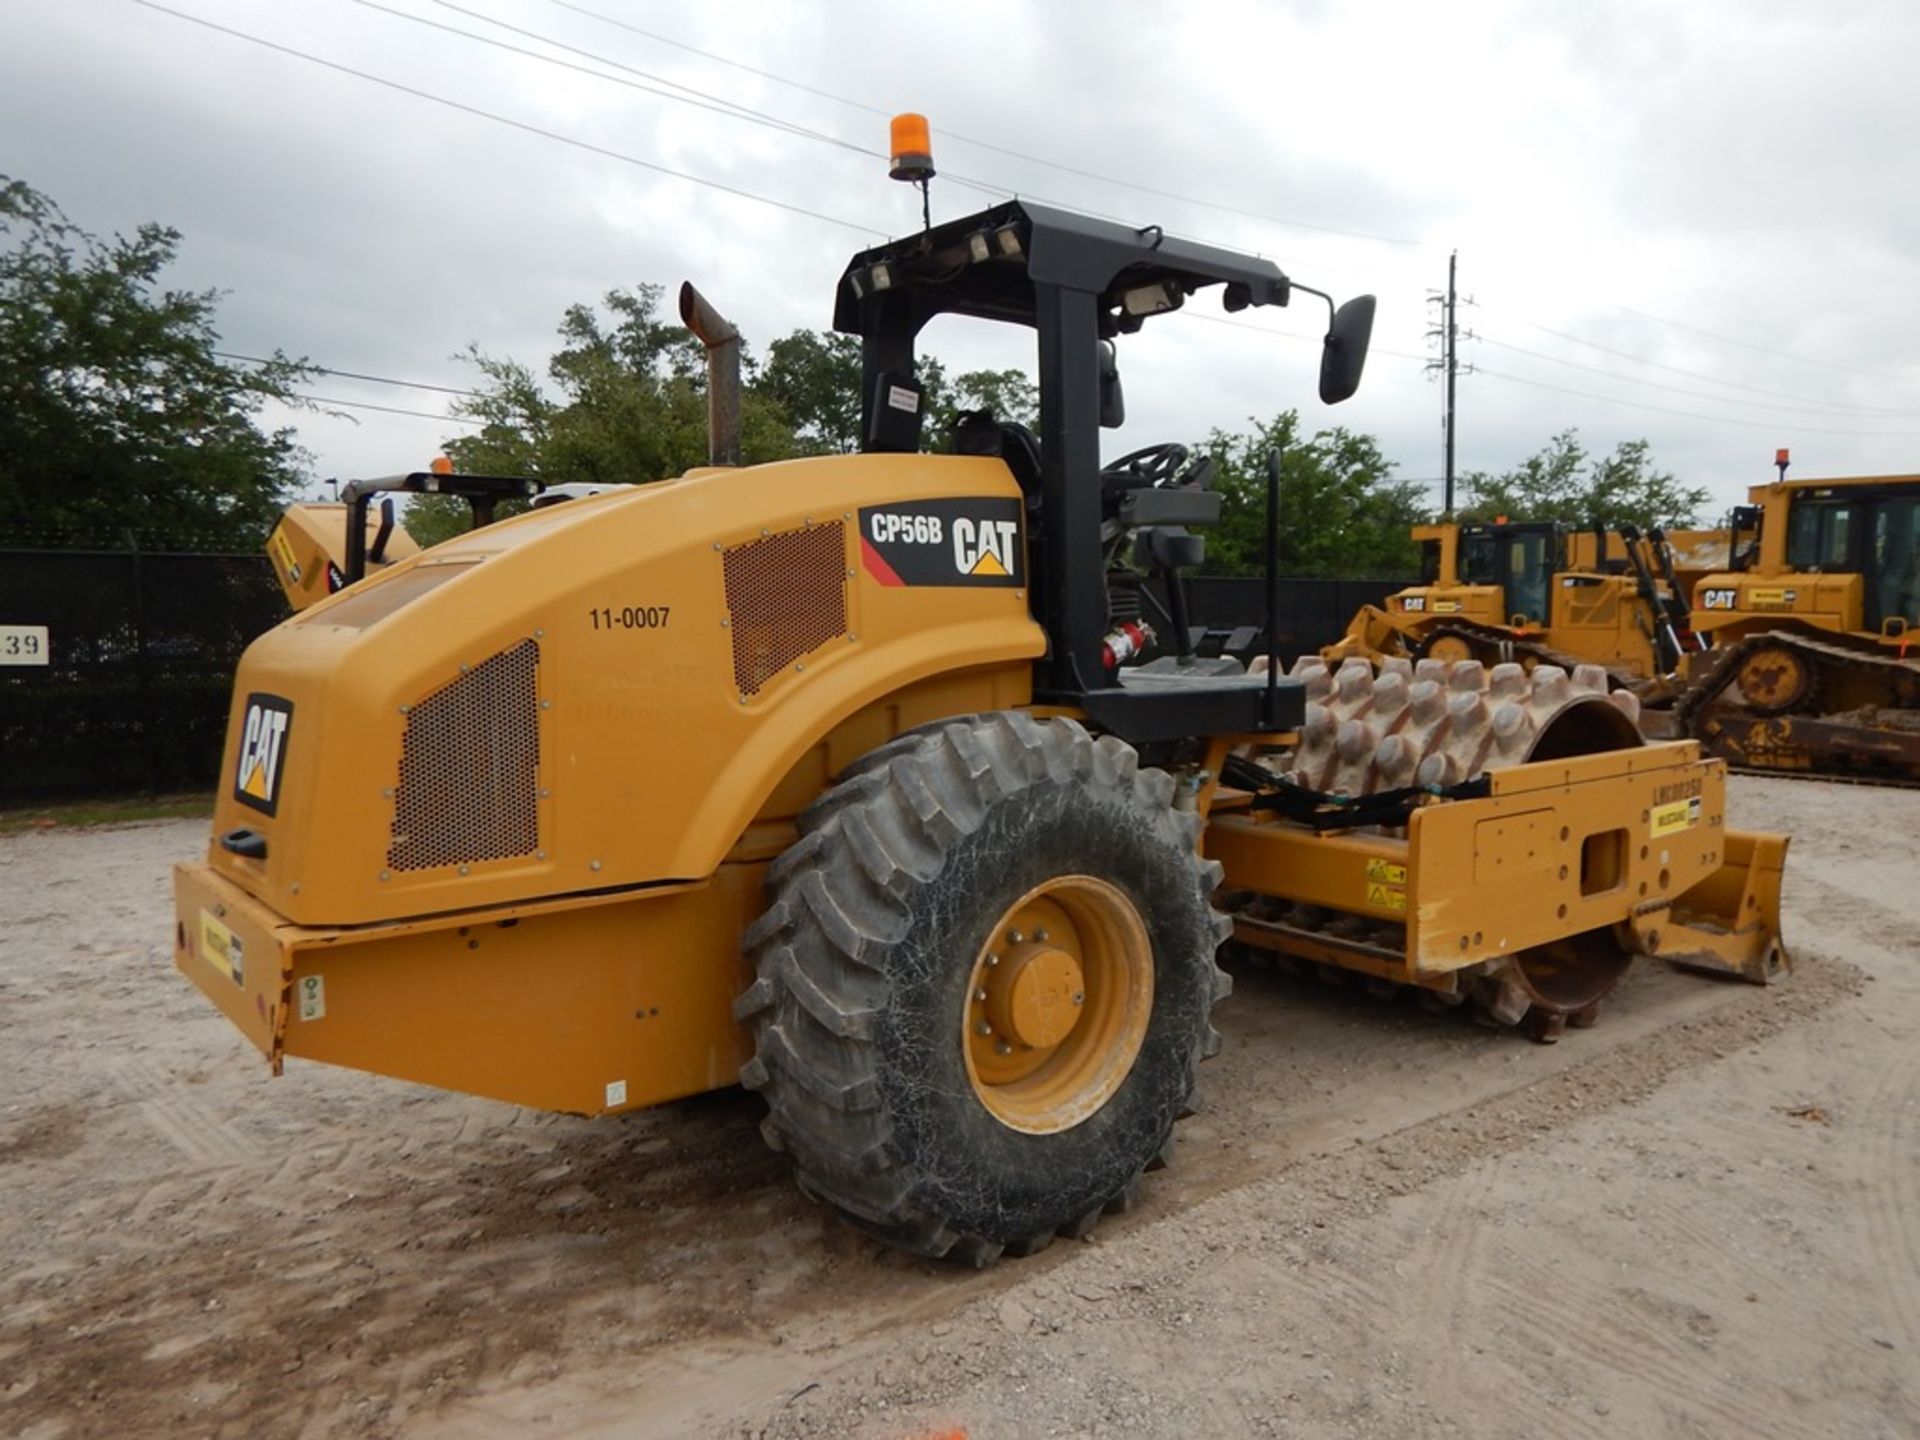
pixel 723 374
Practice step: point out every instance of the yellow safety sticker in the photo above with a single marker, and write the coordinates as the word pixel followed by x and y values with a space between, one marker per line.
pixel 283 551
pixel 1383 872
pixel 1677 815
pixel 1385 897
pixel 221 948
pixel 1772 599
pixel 1446 607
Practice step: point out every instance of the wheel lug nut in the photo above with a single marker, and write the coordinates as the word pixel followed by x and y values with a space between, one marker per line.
pixel 1080 998
pixel 992 960
pixel 1000 1047
pixel 980 995
pixel 983 1028
pixel 1014 937
pixel 1039 936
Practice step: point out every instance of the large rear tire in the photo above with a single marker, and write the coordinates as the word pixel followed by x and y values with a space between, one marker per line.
pixel 983 983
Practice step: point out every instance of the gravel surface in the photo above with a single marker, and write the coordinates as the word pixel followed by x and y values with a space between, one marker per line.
pixel 1700 1218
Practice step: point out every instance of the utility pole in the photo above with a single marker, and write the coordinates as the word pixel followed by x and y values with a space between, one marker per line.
pixel 1453 349
pixel 1448 334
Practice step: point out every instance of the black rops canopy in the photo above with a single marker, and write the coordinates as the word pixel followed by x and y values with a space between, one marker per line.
pixel 1077 282
pixel 989 264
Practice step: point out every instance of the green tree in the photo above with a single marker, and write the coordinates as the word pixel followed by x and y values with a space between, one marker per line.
pixel 1010 395
pixel 116 416
pixel 814 377
pixel 1341 510
pixel 1561 482
pixel 631 407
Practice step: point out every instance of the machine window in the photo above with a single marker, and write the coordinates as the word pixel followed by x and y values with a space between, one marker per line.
pixel 1527 569
pixel 1818 536
pixel 1429 562
pixel 1893 587
pixel 1479 560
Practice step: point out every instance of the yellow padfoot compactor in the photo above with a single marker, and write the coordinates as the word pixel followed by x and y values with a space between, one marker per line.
pixel 841 778
pixel 1599 847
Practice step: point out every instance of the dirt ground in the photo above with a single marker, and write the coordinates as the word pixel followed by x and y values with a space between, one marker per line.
pixel 1701 1218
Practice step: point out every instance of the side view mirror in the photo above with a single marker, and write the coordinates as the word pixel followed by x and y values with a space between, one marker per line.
pixel 1113 400
pixel 1344 354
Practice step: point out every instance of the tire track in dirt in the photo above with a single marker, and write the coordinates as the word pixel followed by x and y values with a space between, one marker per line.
pixel 389 1251
pixel 1892 1191
pixel 1599 1327
pixel 1344 1310
pixel 1454 1290
pixel 1707 1250
pixel 1219 1410
pixel 1448 1251
pixel 180 1118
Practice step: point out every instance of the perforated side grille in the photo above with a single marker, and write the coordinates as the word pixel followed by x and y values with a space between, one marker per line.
pixel 786 595
pixel 469 767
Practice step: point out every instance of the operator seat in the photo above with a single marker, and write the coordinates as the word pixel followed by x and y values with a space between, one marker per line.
pixel 976 432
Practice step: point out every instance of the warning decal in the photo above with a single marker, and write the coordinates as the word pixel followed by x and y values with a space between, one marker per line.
pixel 282 549
pixel 1676 815
pixel 221 948
pixel 1386 885
pixel 1385 897
pixel 973 541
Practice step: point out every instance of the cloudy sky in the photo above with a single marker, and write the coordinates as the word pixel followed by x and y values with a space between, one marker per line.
pixel 1694 223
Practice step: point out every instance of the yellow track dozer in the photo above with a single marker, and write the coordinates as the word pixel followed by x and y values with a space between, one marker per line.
pixel 1537 592
pixel 1814 658
pixel 831 777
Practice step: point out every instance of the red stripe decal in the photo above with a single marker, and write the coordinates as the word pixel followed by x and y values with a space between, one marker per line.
pixel 876 564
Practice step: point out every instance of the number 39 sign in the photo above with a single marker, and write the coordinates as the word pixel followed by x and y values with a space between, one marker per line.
pixel 23 644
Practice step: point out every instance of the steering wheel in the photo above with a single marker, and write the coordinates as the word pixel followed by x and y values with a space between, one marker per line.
pixel 1156 466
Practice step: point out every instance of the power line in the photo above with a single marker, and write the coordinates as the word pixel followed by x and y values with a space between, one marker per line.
pixel 521 125
pixel 1695 415
pixel 705 100
pixel 986 144
pixel 1773 406
pixel 1765 350
pixel 697 98
pixel 568 139
pixel 351 374
pixel 1679 370
pixel 701 100
pixel 587 145
pixel 1273 334
pixel 852 225
pixel 384 409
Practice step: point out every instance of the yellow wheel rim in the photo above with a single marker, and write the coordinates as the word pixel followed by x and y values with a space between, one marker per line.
pixel 1057 1004
pixel 1450 648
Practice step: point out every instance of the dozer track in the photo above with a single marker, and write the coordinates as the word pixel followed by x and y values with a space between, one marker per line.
pixel 1832 706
